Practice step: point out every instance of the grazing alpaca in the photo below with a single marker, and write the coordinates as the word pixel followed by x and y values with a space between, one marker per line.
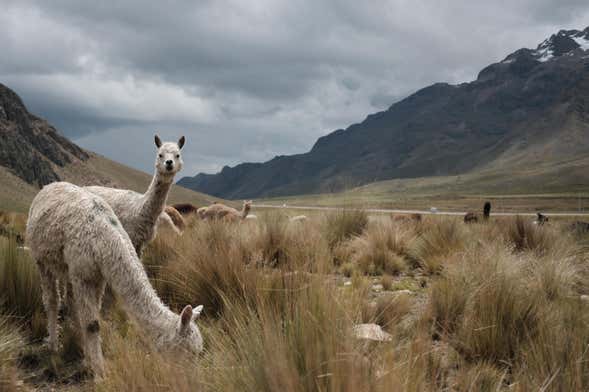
pixel 471 217
pixel 175 217
pixel 251 217
pixel 185 208
pixel 138 212
pixel 218 211
pixel 298 218
pixel 75 237
pixel 487 210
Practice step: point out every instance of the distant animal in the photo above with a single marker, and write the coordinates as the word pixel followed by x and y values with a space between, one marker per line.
pixel 541 219
pixel 185 208
pixel 75 236
pixel 487 210
pixel 471 217
pixel 139 213
pixel 251 216
pixel 298 218
pixel 433 210
pixel 580 227
pixel 7 231
pixel 219 211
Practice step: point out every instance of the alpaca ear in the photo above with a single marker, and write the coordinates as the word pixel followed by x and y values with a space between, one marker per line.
pixel 197 311
pixel 158 141
pixel 186 315
pixel 181 142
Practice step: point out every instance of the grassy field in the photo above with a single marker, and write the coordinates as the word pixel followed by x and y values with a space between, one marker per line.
pixel 498 305
pixel 517 191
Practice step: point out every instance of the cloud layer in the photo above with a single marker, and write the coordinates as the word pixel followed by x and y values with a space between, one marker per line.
pixel 245 81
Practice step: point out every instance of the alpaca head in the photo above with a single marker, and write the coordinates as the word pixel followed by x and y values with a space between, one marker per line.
pixel 169 160
pixel 247 205
pixel 186 336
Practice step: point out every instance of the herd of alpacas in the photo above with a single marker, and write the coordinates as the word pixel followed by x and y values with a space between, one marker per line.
pixel 82 238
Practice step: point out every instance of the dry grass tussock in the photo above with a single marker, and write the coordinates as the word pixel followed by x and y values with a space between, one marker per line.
pixel 10 345
pixel 20 290
pixel 490 306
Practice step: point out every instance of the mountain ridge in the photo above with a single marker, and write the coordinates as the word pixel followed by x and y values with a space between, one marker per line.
pixel 441 129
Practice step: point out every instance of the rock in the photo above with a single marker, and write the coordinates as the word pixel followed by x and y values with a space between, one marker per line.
pixel 397 293
pixel 403 292
pixel 584 297
pixel 377 287
pixel 371 332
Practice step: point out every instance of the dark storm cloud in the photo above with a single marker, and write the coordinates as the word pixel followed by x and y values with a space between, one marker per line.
pixel 248 80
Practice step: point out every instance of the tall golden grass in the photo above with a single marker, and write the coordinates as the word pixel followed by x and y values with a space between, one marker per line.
pixel 491 306
pixel 10 344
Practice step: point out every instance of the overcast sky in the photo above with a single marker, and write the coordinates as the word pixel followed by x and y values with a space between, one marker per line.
pixel 248 80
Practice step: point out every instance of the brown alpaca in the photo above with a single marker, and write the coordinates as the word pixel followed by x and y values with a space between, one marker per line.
pixel 185 208
pixel 176 217
pixel 218 211
pixel 471 217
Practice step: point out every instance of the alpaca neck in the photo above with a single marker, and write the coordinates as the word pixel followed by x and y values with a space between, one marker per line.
pixel 244 211
pixel 128 279
pixel 154 200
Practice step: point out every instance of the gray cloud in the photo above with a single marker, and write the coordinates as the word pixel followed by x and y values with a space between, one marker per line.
pixel 248 80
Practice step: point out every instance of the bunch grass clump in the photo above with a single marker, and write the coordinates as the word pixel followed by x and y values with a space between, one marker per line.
pixel 382 249
pixel 20 286
pixel 11 343
pixel 344 224
pixel 439 242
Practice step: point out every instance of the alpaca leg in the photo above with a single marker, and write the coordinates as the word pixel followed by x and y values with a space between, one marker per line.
pixel 50 294
pixel 87 298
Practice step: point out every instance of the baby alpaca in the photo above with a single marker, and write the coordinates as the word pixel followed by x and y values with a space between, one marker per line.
pixel 138 212
pixel 75 237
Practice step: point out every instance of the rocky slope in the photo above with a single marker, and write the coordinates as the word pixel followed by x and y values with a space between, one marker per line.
pixel 33 153
pixel 30 147
pixel 531 107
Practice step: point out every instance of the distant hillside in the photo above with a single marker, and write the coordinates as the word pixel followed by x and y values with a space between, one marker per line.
pixel 530 108
pixel 33 153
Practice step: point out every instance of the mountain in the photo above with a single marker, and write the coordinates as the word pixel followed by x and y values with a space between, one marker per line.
pixel 33 153
pixel 530 108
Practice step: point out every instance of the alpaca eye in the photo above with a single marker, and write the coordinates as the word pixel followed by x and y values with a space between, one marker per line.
pixel 177 155
pixel 161 156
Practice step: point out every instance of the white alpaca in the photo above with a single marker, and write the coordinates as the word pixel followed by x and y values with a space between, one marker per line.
pixel 139 213
pixel 298 218
pixel 75 236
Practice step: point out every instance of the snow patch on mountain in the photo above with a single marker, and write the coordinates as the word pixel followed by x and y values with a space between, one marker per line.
pixel 582 42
